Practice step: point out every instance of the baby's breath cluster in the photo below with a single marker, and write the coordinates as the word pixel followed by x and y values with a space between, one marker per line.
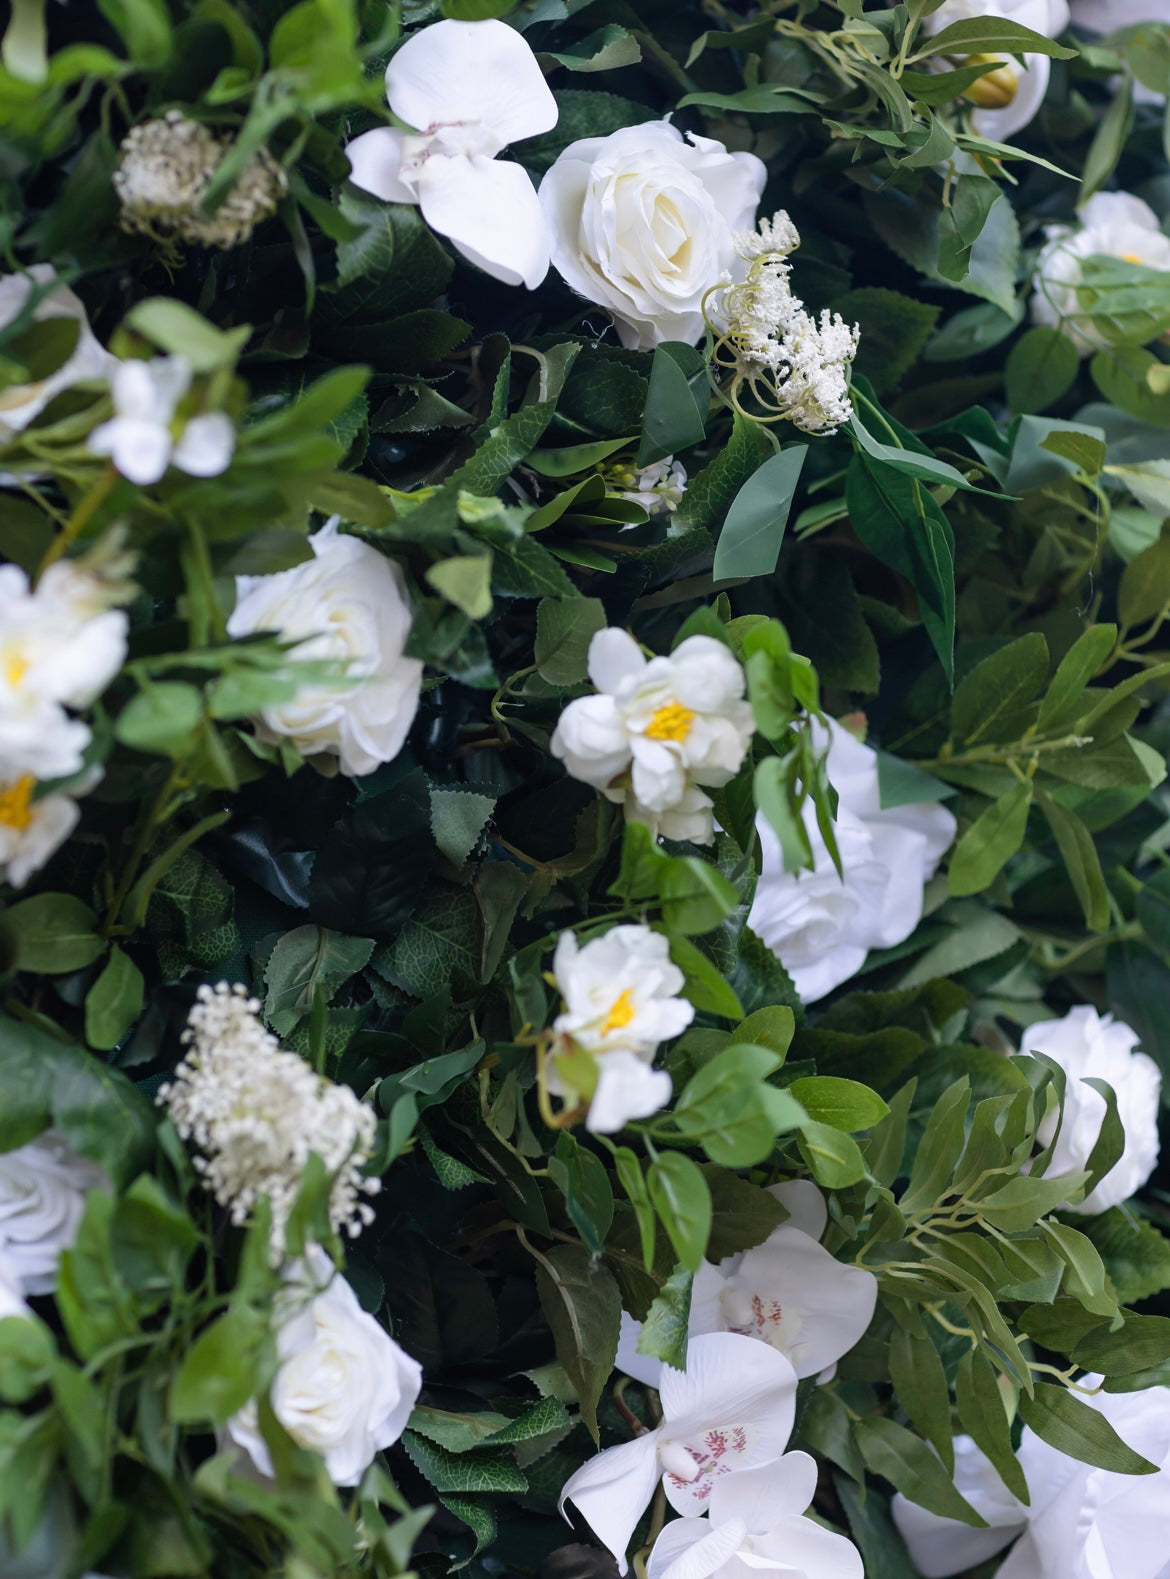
pixel 163 174
pixel 258 1112
pixel 792 364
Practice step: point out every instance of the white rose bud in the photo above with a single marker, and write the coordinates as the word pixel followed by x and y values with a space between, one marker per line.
pixel 43 1187
pixel 348 604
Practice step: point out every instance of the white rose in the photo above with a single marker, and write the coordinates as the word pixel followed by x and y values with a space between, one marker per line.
pixel 821 926
pixel 1008 98
pixel 43 1187
pixel 344 1387
pixel 643 223
pixel 348 604
pixel 11 1293
pixel 1087 1046
pixel 1112 225
pixel 658 730
pixel 20 403
pixel 31 830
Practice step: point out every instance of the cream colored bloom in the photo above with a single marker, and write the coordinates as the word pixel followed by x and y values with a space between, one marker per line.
pixel 20 403
pixel 659 731
pixel 43 1186
pixel 1112 225
pixel 31 830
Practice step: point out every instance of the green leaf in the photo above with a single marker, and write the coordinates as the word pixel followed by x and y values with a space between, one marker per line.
pixel 844 1104
pixel 464 1472
pixel 677 399
pixel 772 1028
pixel 162 719
pixel 181 331
pixel 871 1526
pixel 564 629
pixel 1076 670
pixel 583 1308
pixel 144 27
pixel 114 1001
pixel 222 1369
pixel 683 1203
pixel 1145 584
pixel 1141 1343
pixel 1069 1425
pixel 458 818
pixel 990 842
pixel 465 581
pixel 983 1416
pixel 1020 1203
pixel 1135 1255
pixel 1081 860
pixel 664 1331
pixel 696 896
pixel 940 1145
pixel 1110 139
pixel 1084 1277
pixel 1041 367
pixel 834 1158
pixel 704 986
pixel 988 34
pixel 989 699
pixel 582 1179
pixel 54 934
pixel 894 332
pixel 743 1214
pixel 920 1386
pixel 909 1465
pixel 307 961
pixel 711 491
pixel 749 543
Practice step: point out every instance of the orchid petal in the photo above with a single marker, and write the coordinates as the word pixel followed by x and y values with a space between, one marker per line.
pixel 805 1205
pixel 491 213
pixel 694 1549
pixel 612 1490
pixel 479 76
pixel 643 1368
pixel 375 163
pixel 757 1498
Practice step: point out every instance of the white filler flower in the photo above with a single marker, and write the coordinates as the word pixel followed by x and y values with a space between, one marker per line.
pixel 643 223
pixel 1007 99
pixel 20 403
pixel 756 1526
pixel 1088 1046
pixel 821 927
pixel 621 1000
pixel 731 1409
pixel 147 433
pixel 344 1387
pixel 468 89
pixel 348 605
pixel 658 730
pixel 43 1186
pixel 1112 225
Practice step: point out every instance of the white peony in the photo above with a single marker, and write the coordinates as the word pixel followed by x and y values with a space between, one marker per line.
pixel 1009 98
pixel 20 403
pixel 1087 1046
pixel 658 730
pixel 344 1387
pixel 43 1187
pixel 31 830
pixel 148 431
pixel 469 89
pixel 821 927
pixel 643 223
pixel 1112 225
pixel 621 1000
pixel 347 605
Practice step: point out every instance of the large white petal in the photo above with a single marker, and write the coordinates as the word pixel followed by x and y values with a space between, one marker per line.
pixel 375 161
pixel 481 76
pixel 694 1549
pixel 139 449
pixel 490 210
pixel 806 1206
pixel 612 1490
pixel 760 1497
pixel 206 446
pixel 643 1368
pixel 614 656
pixel 801 1546
pixel 626 1089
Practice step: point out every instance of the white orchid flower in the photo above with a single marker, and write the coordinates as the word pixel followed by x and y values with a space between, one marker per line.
pixel 469 89
pixel 144 436
pixel 732 1409
pixel 756 1526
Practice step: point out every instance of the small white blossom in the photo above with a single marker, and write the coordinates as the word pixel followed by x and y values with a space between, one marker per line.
pixel 31 830
pixel 658 488
pixel 20 403
pixel 164 170
pixel 258 1113
pixel 147 433
pixel 43 1186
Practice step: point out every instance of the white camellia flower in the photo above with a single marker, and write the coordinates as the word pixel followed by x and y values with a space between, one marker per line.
pixel 1088 1046
pixel 732 1409
pixel 621 1000
pixel 1007 99
pixel 756 1526
pixel 643 223
pixel 20 403
pixel 43 1186
pixel 348 605
pixel 31 830
pixel 1112 225
pixel 469 89
pixel 658 730
pixel 146 434
pixel 820 927
pixel 344 1388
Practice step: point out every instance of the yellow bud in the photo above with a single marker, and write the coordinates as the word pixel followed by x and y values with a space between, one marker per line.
pixel 995 90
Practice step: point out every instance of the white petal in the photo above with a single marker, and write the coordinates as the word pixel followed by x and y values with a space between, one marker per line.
pixel 643 1368
pixel 614 656
pixel 206 446
pixel 612 1490
pixel 694 1549
pixel 482 75
pixel 375 159
pixel 626 1089
pixel 139 449
pixel 801 1546
pixel 490 210
pixel 759 1497
pixel 806 1206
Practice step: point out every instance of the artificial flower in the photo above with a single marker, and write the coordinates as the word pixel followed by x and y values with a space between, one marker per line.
pixel 755 1526
pixel 1008 98
pixel 344 1388
pixel 31 830
pixel 621 1000
pixel 643 223
pixel 658 488
pixel 20 403
pixel 147 434
pixel 940 1546
pixel 1110 225
pixel 347 605
pixel 731 1409
pixel 821 925
pixel 469 89
pixel 659 730
pixel 12 1301
pixel 43 1186
pixel 1089 1046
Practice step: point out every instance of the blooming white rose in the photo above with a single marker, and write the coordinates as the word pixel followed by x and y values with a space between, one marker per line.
pixel 643 223
pixel 20 403
pixel 821 926
pixel 344 1387
pixel 11 1294
pixel 469 89
pixel 1088 1046
pixel 1112 225
pixel 31 830
pixel 43 1187
pixel 756 1526
pixel 347 604
pixel 1010 97
pixel 621 1000
pixel 147 434
pixel 658 730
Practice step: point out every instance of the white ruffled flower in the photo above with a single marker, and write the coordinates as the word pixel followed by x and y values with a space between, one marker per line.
pixel 1088 1046
pixel 147 434
pixel 20 403
pixel 621 1000
pixel 346 605
pixel 731 1409
pixel 257 1113
pixel 658 488
pixel 756 1526
pixel 344 1388
pixel 1112 225
pixel 1006 99
pixel 643 223
pixel 821 927
pixel 43 1186
pixel 11 1291
pixel 788 1292
pixel 31 830
pixel 469 89
pixel 659 731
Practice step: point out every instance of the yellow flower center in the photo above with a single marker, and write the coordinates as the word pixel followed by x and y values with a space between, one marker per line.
pixel 672 722
pixel 620 1014
pixel 1130 257
pixel 16 803
pixel 15 668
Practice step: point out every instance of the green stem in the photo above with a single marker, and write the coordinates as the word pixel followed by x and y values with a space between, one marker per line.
pixel 84 512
